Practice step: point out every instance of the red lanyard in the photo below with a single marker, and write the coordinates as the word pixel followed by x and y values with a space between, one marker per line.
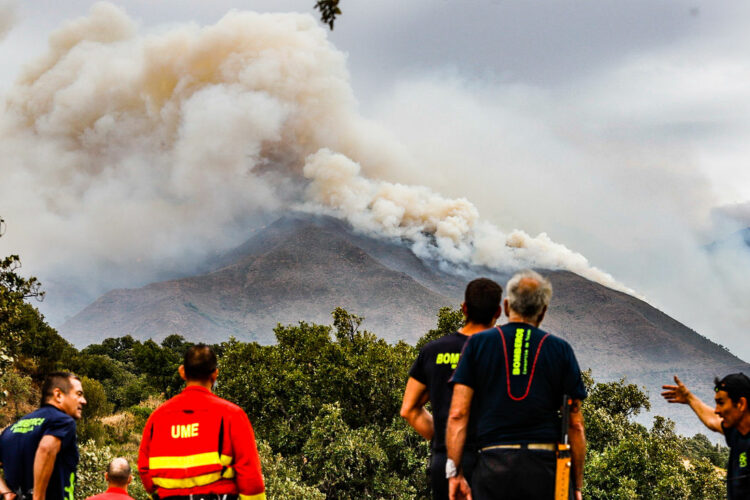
pixel 507 366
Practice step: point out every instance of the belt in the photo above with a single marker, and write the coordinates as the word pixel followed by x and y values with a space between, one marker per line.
pixel 204 496
pixel 522 446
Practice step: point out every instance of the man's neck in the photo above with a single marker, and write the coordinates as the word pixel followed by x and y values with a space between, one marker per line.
pixel 471 328
pixel 744 424
pixel 517 318
pixel 208 384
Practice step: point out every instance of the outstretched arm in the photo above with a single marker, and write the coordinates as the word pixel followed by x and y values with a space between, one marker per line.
pixel 412 408
pixel 681 394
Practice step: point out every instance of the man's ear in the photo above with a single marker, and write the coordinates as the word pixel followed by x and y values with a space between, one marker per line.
pixel 506 306
pixel 181 370
pixel 742 404
pixel 497 315
pixel 541 316
pixel 130 479
pixel 214 376
pixel 464 309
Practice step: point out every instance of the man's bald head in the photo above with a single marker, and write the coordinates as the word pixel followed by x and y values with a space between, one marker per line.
pixel 529 294
pixel 118 472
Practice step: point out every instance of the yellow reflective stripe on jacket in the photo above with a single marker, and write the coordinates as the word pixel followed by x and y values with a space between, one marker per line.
pixel 259 496
pixel 187 482
pixel 201 459
pixel 228 474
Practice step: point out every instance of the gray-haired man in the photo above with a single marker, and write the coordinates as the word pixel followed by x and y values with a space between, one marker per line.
pixel 516 376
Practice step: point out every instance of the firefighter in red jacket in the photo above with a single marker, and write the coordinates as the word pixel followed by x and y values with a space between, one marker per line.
pixel 198 443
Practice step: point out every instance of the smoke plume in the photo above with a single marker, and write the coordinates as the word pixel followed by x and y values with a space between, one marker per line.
pixel 133 154
pixel 8 15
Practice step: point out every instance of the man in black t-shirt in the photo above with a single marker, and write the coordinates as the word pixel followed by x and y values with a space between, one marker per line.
pixel 39 452
pixel 511 381
pixel 731 417
pixel 428 380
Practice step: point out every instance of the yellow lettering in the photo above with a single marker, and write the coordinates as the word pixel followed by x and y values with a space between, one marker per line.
pixel 184 431
pixel 517 346
pixel 439 359
pixel 454 359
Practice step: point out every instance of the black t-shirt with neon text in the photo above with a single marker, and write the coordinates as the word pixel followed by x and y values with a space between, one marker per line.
pixel 18 445
pixel 519 383
pixel 738 472
pixel 433 368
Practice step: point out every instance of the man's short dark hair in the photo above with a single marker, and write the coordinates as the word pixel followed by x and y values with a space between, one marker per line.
pixel 118 471
pixel 736 385
pixel 482 299
pixel 56 380
pixel 199 362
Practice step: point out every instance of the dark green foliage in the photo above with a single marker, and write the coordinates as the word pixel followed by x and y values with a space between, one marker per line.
pixel 448 321
pixel 625 460
pixel 41 349
pixel 14 289
pixel 329 404
pixel 329 9
pixel 699 446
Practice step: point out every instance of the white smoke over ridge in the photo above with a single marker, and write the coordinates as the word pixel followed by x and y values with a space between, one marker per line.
pixel 439 227
pixel 130 151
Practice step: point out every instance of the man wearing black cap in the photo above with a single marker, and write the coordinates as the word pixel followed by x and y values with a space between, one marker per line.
pixel 731 417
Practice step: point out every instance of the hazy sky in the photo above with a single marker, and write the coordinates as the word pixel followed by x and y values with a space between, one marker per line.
pixel 619 129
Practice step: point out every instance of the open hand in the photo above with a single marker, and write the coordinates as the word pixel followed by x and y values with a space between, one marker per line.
pixel 676 393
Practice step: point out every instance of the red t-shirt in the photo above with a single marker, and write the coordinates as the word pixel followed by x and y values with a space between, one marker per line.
pixel 112 493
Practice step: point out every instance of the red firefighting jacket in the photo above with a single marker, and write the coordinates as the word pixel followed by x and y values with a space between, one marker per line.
pixel 199 443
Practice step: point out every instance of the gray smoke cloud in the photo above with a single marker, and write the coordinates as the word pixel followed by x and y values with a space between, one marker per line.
pixel 8 16
pixel 135 154
pixel 130 154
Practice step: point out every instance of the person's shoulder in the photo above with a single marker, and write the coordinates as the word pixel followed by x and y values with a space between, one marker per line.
pixel 556 340
pixel 225 405
pixel 446 341
pixel 51 414
pixel 488 335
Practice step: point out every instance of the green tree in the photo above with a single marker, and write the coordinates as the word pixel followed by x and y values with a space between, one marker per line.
pixel 448 321
pixel 625 460
pixel 329 9
pixel 320 384
pixel 17 389
pixel 14 289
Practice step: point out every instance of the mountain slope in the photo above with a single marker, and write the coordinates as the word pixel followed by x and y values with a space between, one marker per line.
pixel 287 274
pixel 300 268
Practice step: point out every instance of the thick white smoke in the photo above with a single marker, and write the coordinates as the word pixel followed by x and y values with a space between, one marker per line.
pixel 8 14
pixel 126 154
pixel 439 227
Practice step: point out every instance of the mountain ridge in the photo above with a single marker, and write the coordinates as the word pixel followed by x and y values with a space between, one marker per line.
pixel 300 268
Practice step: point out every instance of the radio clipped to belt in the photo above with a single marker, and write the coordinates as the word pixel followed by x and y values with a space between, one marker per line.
pixel 564 460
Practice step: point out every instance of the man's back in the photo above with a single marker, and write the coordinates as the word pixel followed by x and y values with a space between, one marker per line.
pixel 519 374
pixel 198 438
pixel 19 443
pixel 112 493
pixel 434 367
